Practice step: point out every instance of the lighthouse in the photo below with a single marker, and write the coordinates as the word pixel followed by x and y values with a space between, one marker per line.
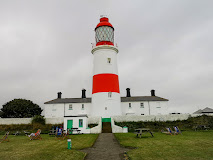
pixel 105 91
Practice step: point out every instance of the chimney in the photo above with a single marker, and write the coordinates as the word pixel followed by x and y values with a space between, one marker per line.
pixel 128 92
pixel 152 92
pixel 83 93
pixel 59 95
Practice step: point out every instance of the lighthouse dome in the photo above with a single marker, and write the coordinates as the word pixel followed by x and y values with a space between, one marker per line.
pixel 104 21
pixel 104 32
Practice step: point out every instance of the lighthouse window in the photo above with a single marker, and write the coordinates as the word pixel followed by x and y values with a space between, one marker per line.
pixel 109 94
pixel 104 33
pixel 82 107
pixel 70 107
pixel 130 105
pixel 142 106
pixel 109 60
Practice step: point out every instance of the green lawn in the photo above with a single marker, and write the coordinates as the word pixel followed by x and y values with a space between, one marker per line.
pixel 190 145
pixel 20 147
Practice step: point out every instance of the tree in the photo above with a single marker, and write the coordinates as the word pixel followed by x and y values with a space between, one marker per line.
pixel 20 108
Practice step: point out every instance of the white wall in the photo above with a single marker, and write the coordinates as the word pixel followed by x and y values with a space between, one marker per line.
pixel 93 120
pixel 105 106
pixel 149 108
pixel 83 129
pixel 101 55
pixel 57 110
pixel 98 128
pixel 15 121
pixel 54 110
pixel 58 120
pixel 102 105
pixel 97 120
pixel 77 109
pixel 115 128
pixel 137 118
pixel 114 107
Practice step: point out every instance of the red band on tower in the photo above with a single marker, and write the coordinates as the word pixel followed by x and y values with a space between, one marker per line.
pixel 105 83
pixel 104 43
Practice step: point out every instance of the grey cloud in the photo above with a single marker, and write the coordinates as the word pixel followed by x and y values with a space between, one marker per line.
pixel 45 47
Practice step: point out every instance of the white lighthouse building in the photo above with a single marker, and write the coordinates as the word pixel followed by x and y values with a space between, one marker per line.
pixel 105 90
pixel 106 101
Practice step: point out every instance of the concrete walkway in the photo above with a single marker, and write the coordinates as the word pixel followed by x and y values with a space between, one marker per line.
pixel 106 147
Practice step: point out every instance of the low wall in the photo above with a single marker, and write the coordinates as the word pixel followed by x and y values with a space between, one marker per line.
pixel 98 128
pixel 96 120
pixel 9 121
pixel 115 128
pixel 169 117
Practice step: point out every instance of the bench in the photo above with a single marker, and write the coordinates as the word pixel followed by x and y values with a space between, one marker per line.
pixel 139 131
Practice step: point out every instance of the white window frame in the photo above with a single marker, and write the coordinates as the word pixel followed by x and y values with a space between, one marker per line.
pixel 130 105
pixel 82 107
pixel 141 105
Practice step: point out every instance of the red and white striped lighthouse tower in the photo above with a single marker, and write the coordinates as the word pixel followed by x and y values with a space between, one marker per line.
pixel 105 93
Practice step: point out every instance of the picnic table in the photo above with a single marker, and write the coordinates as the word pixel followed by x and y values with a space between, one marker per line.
pixel 74 130
pixel 201 127
pixel 139 131
pixel 52 132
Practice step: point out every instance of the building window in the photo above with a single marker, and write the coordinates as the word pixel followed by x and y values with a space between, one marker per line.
pixel 130 105
pixel 53 109
pixel 105 108
pixel 80 122
pixel 82 108
pixel 109 94
pixel 142 106
pixel 142 114
pixel 109 60
pixel 70 107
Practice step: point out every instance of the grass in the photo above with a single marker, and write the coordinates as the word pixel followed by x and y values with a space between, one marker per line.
pixel 20 147
pixel 190 145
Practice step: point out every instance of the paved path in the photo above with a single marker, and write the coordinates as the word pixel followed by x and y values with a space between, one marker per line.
pixel 106 147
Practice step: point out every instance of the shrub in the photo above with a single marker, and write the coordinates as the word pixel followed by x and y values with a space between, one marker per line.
pixel 92 125
pixel 38 119
pixel 188 124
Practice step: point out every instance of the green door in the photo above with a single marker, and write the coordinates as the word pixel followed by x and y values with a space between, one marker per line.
pixel 69 125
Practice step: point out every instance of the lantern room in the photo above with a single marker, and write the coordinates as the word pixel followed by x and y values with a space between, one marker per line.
pixel 104 32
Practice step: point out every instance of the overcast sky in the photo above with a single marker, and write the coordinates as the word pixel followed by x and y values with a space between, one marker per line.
pixel 166 45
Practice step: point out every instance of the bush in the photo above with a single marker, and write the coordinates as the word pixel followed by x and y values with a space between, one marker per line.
pixel 92 125
pixel 32 128
pixel 156 126
pixel 38 119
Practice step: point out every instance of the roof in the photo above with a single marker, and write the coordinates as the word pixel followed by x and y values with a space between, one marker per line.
pixel 205 110
pixel 104 21
pixel 142 98
pixel 123 99
pixel 69 100
pixel 198 112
